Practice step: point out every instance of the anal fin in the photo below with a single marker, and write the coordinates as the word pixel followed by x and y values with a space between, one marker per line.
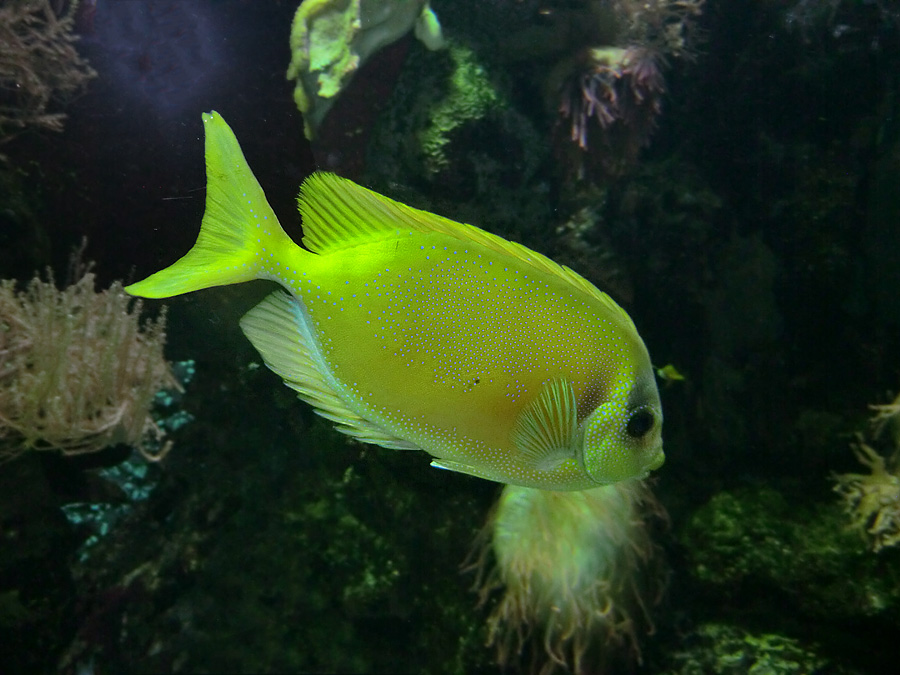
pixel 461 467
pixel 278 329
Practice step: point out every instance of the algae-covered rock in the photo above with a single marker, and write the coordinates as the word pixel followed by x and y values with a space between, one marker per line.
pixel 470 97
pixel 754 544
pixel 719 649
pixel 296 556
pixel 451 130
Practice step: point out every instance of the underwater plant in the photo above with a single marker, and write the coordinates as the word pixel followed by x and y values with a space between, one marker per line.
pixel 872 500
pixel 39 66
pixel 78 369
pixel 577 572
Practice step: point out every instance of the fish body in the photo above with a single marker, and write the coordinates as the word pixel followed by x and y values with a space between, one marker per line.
pixel 412 331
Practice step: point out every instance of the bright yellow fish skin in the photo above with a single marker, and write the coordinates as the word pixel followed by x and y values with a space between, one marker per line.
pixel 412 331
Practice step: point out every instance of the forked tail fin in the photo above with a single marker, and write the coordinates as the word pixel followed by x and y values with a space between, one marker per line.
pixel 238 227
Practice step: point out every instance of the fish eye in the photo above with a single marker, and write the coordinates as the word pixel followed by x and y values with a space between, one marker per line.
pixel 639 423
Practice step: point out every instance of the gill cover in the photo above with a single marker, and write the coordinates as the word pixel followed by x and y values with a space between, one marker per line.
pixel 623 436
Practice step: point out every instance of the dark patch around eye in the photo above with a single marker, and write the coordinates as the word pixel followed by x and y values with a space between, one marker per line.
pixel 639 424
pixel 592 397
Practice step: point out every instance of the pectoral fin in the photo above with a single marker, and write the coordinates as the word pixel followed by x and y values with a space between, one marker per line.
pixel 546 430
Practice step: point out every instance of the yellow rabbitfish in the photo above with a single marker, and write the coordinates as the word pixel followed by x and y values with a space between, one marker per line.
pixel 411 331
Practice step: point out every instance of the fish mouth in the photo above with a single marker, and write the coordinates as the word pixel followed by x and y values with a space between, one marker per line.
pixel 657 461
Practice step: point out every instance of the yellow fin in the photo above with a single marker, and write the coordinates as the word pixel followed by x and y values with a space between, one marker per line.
pixel 278 329
pixel 237 223
pixel 338 214
pixel 468 469
pixel 546 430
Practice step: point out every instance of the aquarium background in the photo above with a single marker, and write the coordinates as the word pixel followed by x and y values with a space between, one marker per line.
pixel 748 220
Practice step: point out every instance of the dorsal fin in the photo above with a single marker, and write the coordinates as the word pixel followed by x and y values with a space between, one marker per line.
pixel 337 214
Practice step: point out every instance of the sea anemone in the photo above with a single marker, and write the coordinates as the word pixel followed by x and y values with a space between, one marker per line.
pixel 79 370
pixel 609 99
pixel 577 571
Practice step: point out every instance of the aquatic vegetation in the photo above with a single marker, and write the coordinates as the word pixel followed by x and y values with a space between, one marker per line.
pixel 40 69
pixel 872 500
pixel 332 39
pixel 577 574
pixel 79 370
pixel 411 331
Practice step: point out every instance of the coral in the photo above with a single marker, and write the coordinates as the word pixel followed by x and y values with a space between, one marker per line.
pixel 608 88
pixel 40 70
pixel 615 95
pixel 887 418
pixel 332 39
pixel 78 371
pixel 872 500
pixel 573 568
